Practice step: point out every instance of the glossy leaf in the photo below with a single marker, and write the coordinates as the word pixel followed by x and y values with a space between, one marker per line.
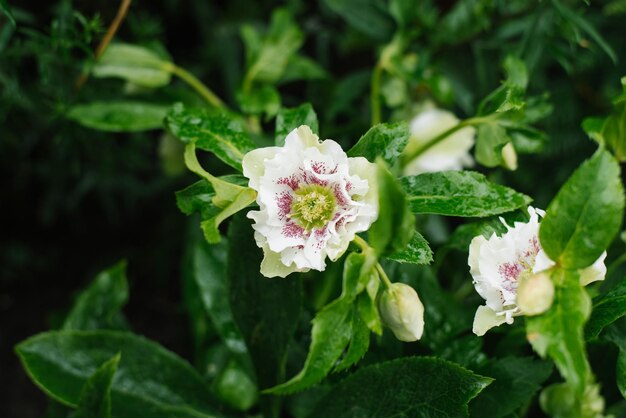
pixel 584 217
pixel 98 306
pixel 460 193
pixel 133 63
pixel 516 380
pixel 386 140
pixel 95 398
pixel 411 387
pixel 214 131
pixel 265 310
pixel 558 333
pixel 607 308
pixel 289 119
pixel 150 380
pixel 417 251
pixel 395 225
pixel 119 116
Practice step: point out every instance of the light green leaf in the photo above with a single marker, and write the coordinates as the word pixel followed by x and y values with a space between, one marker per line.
pixel 95 398
pixel 265 310
pixel 516 380
pixel 607 308
pixel 119 116
pixel 289 119
pixel 409 387
pixel 198 197
pixel 215 131
pixel 386 140
pixel 417 251
pixel 395 225
pixel 133 63
pixel 332 329
pixel 210 226
pixel 367 16
pixel 584 217
pixel 261 100
pixel 558 333
pixel 490 139
pixel 150 380
pixel 302 68
pixel 460 193
pixel 209 272
pixel 98 306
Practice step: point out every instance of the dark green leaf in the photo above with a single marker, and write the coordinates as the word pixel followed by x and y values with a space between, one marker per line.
pixel 332 329
pixel 119 116
pixel 417 251
pixel 150 380
pixel 606 309
pixel 4 7
pixel 289 119
pixel 558 333
pixel 214 131
pixel 517 379
pixel 265 310
pixel 359 343
pixel 409 387
pixel 98 306
pixel 95 398
pixel 395 225
pixel 367 16
pixel 209 272
pixel 617 334
pixel 490 139
pixel 133 63
pixel 584 217
pixel 235 387
pixel 460 193
pixel 386 140
pixel 466 18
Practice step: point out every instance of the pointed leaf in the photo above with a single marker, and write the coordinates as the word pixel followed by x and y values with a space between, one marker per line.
pixel 133 63
pixel 95 398
pixel 416 252
pixel 386 140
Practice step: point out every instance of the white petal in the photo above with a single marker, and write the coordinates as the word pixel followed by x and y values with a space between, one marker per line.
pixel 542 262
pixel 254 164
pixel 272 266
pixel 595 272
pixel 485 319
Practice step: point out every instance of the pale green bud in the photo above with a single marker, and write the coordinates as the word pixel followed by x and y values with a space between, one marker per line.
pixel 535 293
pixel 509 157
pixel 402 311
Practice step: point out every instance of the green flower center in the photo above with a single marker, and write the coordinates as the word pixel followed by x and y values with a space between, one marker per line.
pixel 313 206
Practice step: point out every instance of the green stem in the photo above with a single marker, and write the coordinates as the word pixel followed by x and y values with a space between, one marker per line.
pixel 467 122
pixel 375 94
pixel 196 84
pixel 364 246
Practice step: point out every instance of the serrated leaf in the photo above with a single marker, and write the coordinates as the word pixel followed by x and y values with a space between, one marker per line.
pixel 460 193
pixel 265 310
pixel 95 398
pixel 584 217
pixel 386 140
pixel 150 381
pixel 133 63
pixel 211 130
pixel 607 309
pixel 410 387
pixel 516 380
pixel 119 116
pixel 395 225
pixel 558 333
pixel 289 119
pixel 359 342
pixel 417 251
pixel 98 306
pixel 332 329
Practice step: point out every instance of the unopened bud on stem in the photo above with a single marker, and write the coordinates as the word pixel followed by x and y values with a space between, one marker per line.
pixel 402 311
pixel 535 293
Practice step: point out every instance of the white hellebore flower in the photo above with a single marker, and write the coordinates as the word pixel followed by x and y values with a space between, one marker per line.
pixel 313 200
pixel 500 264
pixel 450 154
pixel 402 311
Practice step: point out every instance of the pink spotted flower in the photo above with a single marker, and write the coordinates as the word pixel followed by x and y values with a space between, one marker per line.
pixel 313 199
pixel 499 264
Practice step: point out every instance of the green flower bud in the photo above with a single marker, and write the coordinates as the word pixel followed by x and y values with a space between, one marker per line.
pixel 402 311
pixel 535 293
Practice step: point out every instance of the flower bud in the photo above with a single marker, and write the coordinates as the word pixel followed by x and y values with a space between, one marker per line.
pixel 535 294
pixel 509 157
pixel 402 311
